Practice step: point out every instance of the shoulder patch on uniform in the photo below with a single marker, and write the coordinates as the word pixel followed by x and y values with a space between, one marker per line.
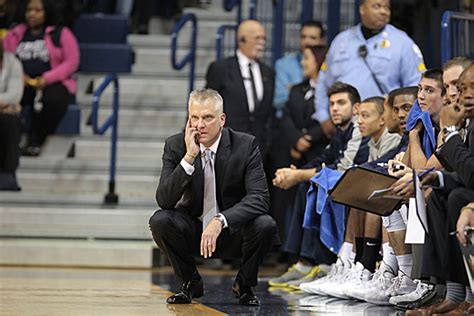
pixel 421 67
pixel 324 66
pixel 417 51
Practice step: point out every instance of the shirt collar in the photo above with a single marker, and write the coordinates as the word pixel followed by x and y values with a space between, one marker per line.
pixel 377 144
pixel 213 147
pixel 244 61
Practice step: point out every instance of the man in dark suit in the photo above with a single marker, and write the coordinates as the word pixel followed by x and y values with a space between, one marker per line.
pixel 214 199
pixel 246 85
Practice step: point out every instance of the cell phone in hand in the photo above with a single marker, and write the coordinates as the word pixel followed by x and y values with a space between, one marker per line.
pixel 469 235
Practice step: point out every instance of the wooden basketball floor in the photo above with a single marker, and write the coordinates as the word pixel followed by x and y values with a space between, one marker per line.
pixel 74 291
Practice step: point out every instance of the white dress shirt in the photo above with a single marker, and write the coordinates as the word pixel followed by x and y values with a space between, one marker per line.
pixel 189 169
pixel 257 74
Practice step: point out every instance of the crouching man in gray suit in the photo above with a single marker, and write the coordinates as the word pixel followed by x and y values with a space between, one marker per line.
pixel 214 199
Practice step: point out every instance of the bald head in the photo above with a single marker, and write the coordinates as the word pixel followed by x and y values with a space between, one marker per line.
pixel 251 36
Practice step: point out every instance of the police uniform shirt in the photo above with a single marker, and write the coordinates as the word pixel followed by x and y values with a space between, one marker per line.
pixel 393 57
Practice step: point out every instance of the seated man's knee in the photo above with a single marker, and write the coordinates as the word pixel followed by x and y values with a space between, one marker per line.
pixel 160 222
pixel 394 222
pixel 265 226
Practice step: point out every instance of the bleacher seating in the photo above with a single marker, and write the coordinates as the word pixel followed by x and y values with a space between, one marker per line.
pixel 103 44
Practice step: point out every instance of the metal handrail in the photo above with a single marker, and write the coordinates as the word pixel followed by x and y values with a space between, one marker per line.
pixel 191 55
pixel 221 31
pixel 112 121
pixel 220 36
pixel 447 40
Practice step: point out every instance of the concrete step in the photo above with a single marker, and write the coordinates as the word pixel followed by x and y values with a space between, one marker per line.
pixel 206 30
pixel 144 89
pixel 66 165
pixel 77 184
pixel 158 62
pixel 55 222
pixel 127 102
pixel 93 156
pixel 150 118
pixel 133 134
pixel 90 200
pixel 128 151
pixel 77 253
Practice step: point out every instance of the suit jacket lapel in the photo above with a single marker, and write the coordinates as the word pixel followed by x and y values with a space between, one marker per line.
pixel 222 157
pixel 235 70
pixel 470 136
pixel 266 82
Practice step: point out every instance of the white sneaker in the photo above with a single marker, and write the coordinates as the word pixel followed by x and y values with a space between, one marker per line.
pixel 313 287
pixel 340 274
pixel 360 281
pixel 352 278
pixel 377 295
pixel 401 285
pixel 419 292
pixel 381 280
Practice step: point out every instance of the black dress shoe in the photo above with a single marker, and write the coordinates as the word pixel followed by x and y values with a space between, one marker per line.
pixel 188 291
pixel 245 294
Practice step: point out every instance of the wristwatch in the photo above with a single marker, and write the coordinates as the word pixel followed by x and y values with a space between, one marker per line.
pixel 221 219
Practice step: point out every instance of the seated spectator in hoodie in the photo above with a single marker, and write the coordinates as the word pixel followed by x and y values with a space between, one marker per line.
pixel 50 56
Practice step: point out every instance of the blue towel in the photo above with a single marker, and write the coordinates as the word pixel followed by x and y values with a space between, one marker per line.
pixel 320 204
pixel 428 142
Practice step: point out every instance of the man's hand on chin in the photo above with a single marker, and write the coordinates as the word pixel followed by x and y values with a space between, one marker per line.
pixel 209 238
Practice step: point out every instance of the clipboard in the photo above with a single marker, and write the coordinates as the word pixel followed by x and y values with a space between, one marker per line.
pixel 357 184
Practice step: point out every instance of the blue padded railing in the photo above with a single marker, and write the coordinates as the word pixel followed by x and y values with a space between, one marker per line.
pixel 104 49
pixel 112 122
pixel 191 56
pixel 456 32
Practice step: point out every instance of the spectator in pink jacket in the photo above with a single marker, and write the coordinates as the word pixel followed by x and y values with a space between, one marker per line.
pixel 50 56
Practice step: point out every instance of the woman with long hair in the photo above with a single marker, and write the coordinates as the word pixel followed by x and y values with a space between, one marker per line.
pixel 50 56
pixel 303 134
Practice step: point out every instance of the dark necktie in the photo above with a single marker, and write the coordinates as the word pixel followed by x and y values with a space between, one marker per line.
pixel 254 89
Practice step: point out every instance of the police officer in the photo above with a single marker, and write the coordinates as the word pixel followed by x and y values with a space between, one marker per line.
pixel 373 56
